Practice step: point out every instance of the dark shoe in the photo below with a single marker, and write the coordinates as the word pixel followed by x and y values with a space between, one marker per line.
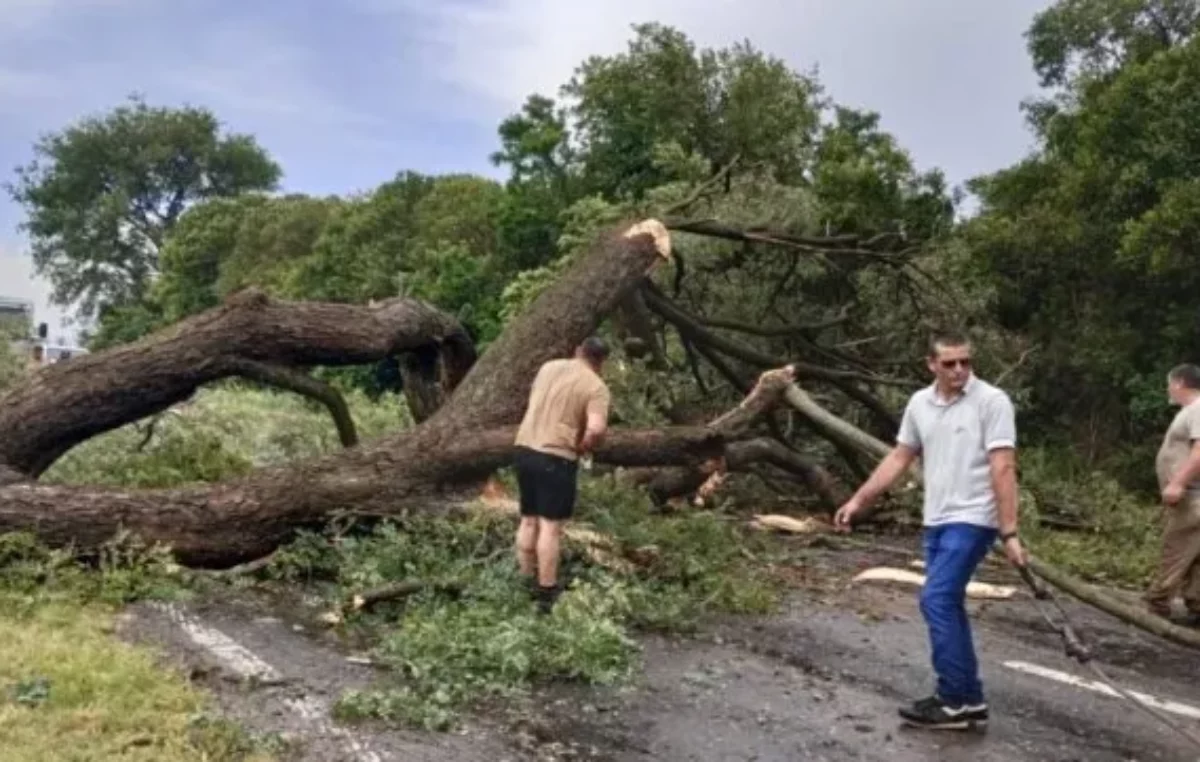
pixel 936 714
pixel 546 597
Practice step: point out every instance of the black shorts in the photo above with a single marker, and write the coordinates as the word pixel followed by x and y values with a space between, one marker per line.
pixel 547 484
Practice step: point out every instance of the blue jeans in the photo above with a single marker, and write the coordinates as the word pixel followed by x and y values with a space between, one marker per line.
pixel 952 551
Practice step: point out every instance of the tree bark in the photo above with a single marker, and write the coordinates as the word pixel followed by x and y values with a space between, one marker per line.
pixel 1141 619
pixel 428 468
pixel 61 405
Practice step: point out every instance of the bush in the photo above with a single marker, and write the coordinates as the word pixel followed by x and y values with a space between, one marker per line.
pixel 1119 538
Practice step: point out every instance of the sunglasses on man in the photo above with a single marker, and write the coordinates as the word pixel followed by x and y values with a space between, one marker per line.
pixel 963 362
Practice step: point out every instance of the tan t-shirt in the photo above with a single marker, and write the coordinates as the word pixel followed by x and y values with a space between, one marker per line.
pixel 1177 445
pixel 563 393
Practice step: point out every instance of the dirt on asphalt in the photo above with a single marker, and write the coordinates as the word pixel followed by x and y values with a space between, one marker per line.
pixel 821 680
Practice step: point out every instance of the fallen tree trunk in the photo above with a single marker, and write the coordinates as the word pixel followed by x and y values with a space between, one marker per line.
pixel 252 336
pixel 1140 618
pixel 429 468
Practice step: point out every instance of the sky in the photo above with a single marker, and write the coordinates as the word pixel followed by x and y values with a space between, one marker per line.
pixel 344 95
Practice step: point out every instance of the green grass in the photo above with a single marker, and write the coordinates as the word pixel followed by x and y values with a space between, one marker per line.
pixel 70 690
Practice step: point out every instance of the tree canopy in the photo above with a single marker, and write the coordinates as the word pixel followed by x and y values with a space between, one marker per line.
pixel 102 195
pixel 804 230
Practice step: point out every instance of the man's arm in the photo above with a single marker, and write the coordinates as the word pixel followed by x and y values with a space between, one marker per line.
pixel 891 468
pixel 1003 462
pixel 1000 440
pixel 597 421
pixel 898 461
pixel 1191 467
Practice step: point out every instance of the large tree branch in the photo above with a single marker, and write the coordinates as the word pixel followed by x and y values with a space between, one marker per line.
pixel 694 328
pixel 427 468
pixel 496 388
pixel 668 483
pixel 62 405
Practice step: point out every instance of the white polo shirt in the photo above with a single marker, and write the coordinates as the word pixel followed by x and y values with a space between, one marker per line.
pixel 954 438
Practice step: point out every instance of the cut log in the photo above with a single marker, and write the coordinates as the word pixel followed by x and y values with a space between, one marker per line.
pixel 978 590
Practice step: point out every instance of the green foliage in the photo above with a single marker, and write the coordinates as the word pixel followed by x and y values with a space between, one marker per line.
pixel 205 236
pixel 1096 232
pixel 103 194
pixel 365 247
pixel 451 650
pixel 1081 40
pixel 1120 539
pixel 224 432
pixel 716 104
pixel 272 239
pixel 32 575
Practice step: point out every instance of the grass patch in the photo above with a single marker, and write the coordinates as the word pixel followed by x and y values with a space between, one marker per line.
pixel 69 690
pixel 448 651
pixel 73 692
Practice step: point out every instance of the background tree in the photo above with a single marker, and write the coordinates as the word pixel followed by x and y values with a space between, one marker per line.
pixel 1094 231
pixel 103 195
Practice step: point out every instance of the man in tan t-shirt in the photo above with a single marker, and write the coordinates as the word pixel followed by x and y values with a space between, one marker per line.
pixel 566 416
pixel 1178 470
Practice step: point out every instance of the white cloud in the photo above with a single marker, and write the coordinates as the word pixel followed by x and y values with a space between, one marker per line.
pixel 946 75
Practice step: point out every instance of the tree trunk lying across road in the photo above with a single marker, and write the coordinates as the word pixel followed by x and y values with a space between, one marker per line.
pixel 430 467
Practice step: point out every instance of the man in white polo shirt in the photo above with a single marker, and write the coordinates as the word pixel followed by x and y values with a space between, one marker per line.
pixel 964 430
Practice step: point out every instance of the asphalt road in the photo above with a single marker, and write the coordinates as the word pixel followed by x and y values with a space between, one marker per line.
pixel 820 681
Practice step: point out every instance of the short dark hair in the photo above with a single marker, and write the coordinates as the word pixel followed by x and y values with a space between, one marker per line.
pixel 946 339
pixel 594 349
pixel 1186 374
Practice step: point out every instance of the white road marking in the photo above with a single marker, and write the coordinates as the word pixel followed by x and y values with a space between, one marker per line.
pixel 1165 705
pixel 247 664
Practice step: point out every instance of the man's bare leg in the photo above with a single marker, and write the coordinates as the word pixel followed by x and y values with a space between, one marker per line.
pixel 549 537
pixel 527 543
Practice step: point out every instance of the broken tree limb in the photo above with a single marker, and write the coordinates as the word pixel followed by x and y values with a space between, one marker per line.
pixel 844 244
pixel 61 405
pixel 495 390
pixel 397 590
pixel 669 483
pixel 733 425
pixel 1139 618
pixel 427 468
pixel 696 331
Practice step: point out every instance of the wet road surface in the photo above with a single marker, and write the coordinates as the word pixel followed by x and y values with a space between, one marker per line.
pixel 819 681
